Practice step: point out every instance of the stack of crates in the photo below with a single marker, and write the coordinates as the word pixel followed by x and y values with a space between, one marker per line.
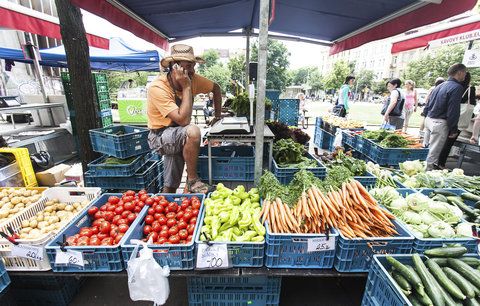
pixel 22 166
pixel 100 86
pixel 127 162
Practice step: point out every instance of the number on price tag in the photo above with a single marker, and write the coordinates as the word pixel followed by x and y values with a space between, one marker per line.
pixel 320 244
pixel 69 257
pixel 213 256
pixel 27 251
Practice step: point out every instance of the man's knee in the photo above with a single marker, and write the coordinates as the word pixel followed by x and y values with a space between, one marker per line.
pixel 193 132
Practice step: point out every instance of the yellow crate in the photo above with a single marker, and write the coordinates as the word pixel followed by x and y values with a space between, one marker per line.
pixel 25 164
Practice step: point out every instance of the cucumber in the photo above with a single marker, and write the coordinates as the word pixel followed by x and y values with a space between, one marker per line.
pixel 471 302
pixel 466 271
pixel 442 262
pixel 461 282
pixel 446 252
pixel 440 198
pixel 460 204
pixel 470 196
pixel 422 299
pixel 412 278
pixel 443 280
pixel 444 192
pixel 414 301
pixel 401 281
pixel 471 261
pixel 433 291
pixel 477 204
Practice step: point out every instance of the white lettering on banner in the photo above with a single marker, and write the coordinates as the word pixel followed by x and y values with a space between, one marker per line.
pixel 27 251
pixel 320 244
pixel 135 110
pixel 462 37
pixel 471 58
pixel 212 257
pixel 69 257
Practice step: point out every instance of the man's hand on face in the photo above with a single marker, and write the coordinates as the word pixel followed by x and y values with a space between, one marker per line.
pixel 180 75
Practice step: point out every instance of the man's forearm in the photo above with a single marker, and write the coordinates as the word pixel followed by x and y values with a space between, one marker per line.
pixel 186 106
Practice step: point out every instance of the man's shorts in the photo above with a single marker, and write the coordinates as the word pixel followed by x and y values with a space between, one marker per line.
pixel 169 143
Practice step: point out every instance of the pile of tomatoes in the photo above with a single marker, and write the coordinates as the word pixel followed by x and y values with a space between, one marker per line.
pixel 112 220
pixel 170 222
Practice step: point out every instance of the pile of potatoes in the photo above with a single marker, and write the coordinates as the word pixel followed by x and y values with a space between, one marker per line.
pixel 51 219
pixel 13 200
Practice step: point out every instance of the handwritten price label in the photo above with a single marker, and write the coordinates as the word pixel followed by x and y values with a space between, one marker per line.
pixel 320 244
pixel 69 257
pixel 27 251
pixel 212 256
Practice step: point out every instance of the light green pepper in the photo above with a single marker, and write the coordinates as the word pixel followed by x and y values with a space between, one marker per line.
pixel 257 239
pixel 224 216
pixel 255 197
pixel 234 216
pixel 259 228
pixel 235 200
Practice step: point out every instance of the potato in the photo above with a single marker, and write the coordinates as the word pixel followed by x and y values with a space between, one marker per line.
pixel 40 218
pixel 34 192
pixel 42 224
pixel 26 230
pixel 25 223
pixel 69 208
pixel 76 205
pixel 49 203
pixel 33 223
pixel 61 206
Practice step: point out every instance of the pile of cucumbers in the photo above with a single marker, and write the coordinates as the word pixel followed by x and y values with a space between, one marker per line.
pixel 470 214
pixel 445 277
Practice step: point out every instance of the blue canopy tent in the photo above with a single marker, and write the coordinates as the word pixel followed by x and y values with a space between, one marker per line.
pixel 120 57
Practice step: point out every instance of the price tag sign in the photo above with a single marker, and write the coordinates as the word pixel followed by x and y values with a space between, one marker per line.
pixel 212 257
pixel 320 244
pixel 69 257
pixel 27 251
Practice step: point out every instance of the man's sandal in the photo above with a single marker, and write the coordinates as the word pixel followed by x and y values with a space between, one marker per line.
pixel 197 186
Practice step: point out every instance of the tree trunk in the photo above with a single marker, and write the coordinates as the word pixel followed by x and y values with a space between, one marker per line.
pixel 78 59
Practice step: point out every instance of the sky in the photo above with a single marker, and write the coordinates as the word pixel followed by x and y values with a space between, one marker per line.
pixel 301 54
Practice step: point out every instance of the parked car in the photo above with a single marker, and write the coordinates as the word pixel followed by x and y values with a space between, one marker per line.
pixel 422 96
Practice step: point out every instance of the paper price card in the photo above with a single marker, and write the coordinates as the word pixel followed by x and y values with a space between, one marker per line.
pixel 27 251
pixel 320 244
pixel 69 257
pixel 213 256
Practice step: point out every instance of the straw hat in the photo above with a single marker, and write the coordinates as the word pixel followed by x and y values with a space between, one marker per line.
pixel 181 52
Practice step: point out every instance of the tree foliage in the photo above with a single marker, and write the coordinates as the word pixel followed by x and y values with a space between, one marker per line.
pixel 301 75
pixel 336 77
pixel 277 63
pixel 236 66
pixel 315 80
pixel 364 79
pixel 219 74
pixel 379 87
pixel 211 58
pixel 116 79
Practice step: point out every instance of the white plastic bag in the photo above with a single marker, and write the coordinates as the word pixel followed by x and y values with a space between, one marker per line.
pixel 337 141
pixel 147 280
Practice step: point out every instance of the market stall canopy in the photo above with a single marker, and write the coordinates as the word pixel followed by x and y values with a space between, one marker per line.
pixel 450 33
pixel 120 57
pixel 18 17
pixel 346 23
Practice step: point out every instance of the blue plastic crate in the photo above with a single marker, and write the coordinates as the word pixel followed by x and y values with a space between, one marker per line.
pixel 393 156
pixel 355 255
pixel 230 163
pixel 288 111
pixel 363 145
pixel 234 290
pixel 142 179
pixel 290 251
pixel 272 94
pixel 317 137
pixel 285 175
pixel 4 279
pixel 97 258
pixel 99 168
pixel 133 141
pixel 349 138
pixel 242 254
pixel 324 140
pixel 318 123
pixel 176 256
pixel 367 179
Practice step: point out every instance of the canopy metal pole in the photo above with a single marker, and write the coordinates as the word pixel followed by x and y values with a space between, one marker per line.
pixel 261 86
pixel 248 31
pixel 32 50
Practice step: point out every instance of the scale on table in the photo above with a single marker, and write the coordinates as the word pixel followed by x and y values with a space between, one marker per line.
pixel 9 101
pixel 231 125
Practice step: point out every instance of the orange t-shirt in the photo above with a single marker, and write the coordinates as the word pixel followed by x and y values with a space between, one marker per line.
pixel 161 99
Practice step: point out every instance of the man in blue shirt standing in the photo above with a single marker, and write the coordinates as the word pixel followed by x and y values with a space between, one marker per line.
pixel 442 113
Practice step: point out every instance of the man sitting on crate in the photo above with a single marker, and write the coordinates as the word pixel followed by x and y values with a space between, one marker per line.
pixel 169 111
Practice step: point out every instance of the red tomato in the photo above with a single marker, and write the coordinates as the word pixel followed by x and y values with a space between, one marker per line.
pixel 94 240
pixel 163 202
pixel 113 233
pixel 147 229
pixel 72 240
pixel 196 204
pixel 97 222
pixel 174 239
pixel 152 235
pixel 98 215
pixel 172 206
pixel 184 206
pixel 85 231
pixel 194 198
pixel 149 201
pixel 118 238
pixel 102 236
pixel 142 192
pixel 161 240
pixel 128 199
pixel 108 215
pixel 182 225
pixel 94 229
pixel 189 238
pixel 143 197
pixel 113 200
pixel 173 230
pixel 123 228
pixel 195 212
pixel 151 211
pixel 149 219
pixel 122 221
pixel 131 217
pixel 111 207
pixel 171 215
pixel 137 209
pixel 118 210
pixel 193 221
pixel 187 216
pixel 141 204
pixel 129 206
pixel 103 207
pixel 130 193
pixel 191 228
pixel 82 241
pixel 171 222
pixel 164 234
pixel 92 210
pixel 159 209
pixel 156 227
pixel 156 199
pixel 183 234
pixel 125 213
pixel 164 228
pixel 120 202
pixel 179 215
pixel 162 220
pixel 107 241
pixel 115 219
pixel 105 227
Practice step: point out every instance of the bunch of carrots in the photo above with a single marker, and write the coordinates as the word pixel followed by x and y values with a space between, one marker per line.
pixel 415 142
pixel 350 209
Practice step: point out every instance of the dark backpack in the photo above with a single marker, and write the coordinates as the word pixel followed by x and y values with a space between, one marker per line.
pixel 398 109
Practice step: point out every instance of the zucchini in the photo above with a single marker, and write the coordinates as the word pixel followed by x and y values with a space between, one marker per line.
pixel 434 292
pixel 422 299
pixel 414 301
pixel 440 198
pixel 460 204
pixel 470 197
pixel 446 252
pixel 444 192
pixel 477 204
pixel 471 261
pixel 401 281
pixel 471 302
pixel 442 262
pixel 443 280
pixel 412 278
pixel 461 282
pixel 466 271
